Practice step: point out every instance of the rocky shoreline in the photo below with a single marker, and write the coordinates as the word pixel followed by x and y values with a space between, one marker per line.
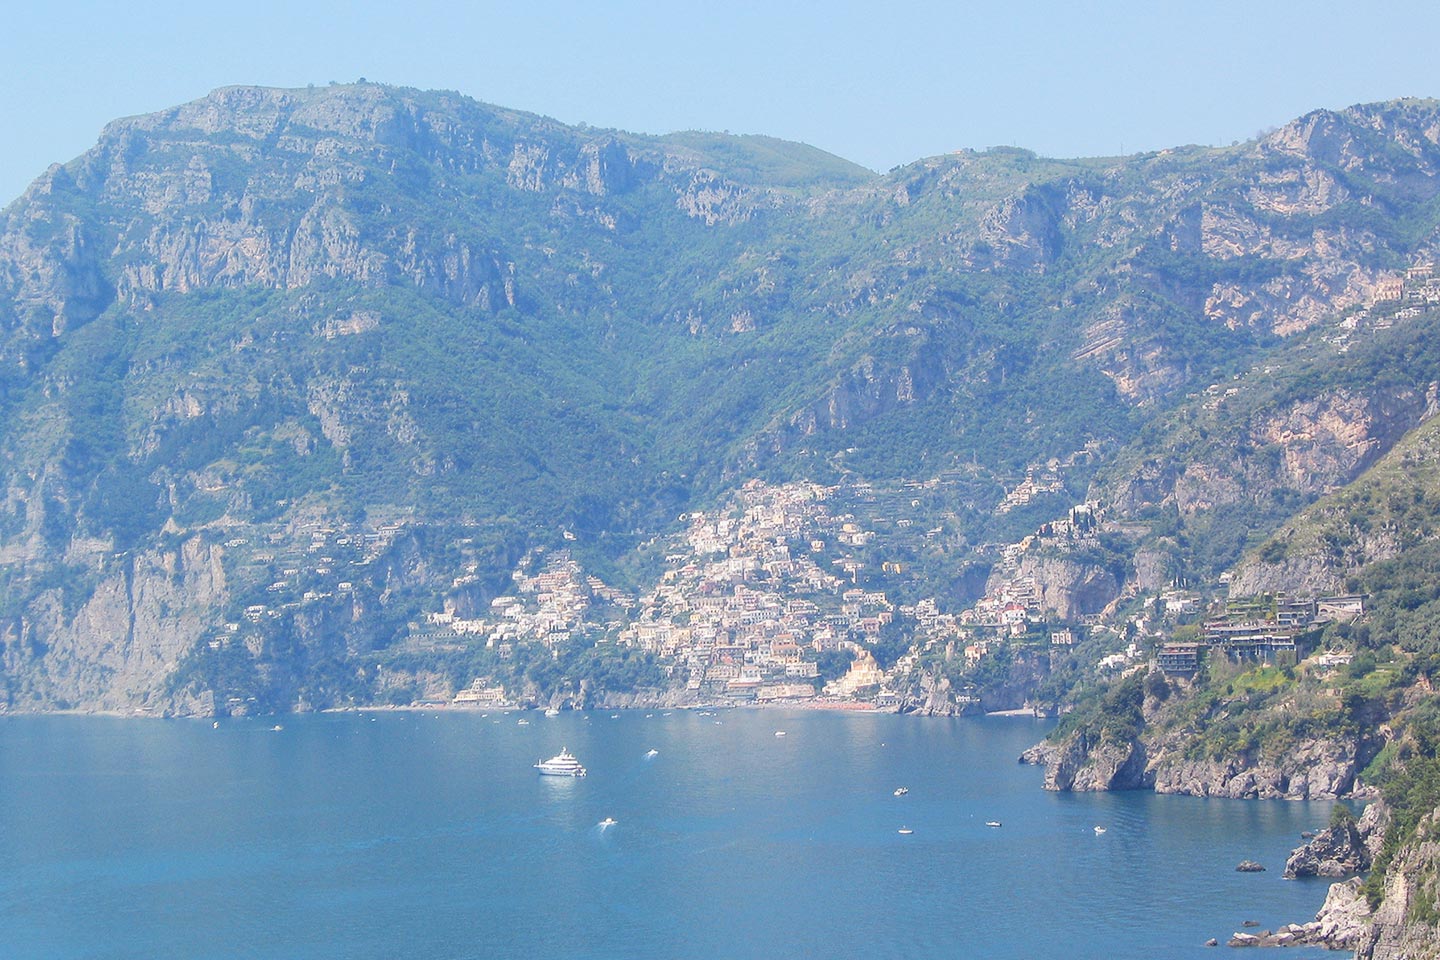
pixel 1338 925
pixel 1315 769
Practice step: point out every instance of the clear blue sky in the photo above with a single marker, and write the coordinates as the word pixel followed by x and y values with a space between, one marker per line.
pixel 878 83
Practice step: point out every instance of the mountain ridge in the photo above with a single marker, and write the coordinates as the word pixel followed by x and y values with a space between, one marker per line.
pixel 361 301
pixel 357 394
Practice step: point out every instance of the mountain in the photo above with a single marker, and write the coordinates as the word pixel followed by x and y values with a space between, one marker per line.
pixel 358 394
pixel 446 334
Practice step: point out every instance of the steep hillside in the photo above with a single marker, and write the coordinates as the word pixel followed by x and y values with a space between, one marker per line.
pixel 416 336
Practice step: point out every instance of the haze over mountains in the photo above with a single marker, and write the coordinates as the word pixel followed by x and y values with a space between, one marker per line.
pixel 361 307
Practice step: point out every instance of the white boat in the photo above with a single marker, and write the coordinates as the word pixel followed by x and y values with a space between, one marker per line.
pixel 652 753
pixel 992 823
pixel 905 831
pixel 608 822
pixel 563 764
pixel 1099 830
pixel 901 791
pixel 552 712
pixel 779 733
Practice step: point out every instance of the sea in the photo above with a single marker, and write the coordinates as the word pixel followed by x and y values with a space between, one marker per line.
pixel 741 833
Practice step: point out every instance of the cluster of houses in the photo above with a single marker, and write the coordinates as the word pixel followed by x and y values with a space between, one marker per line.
pixel 312 564
pixel 754 599
pixel 748 605
pixel 1258 629
pixel 550 606
pixel 1418 285
pixel 1394 298
pixel 756 595
pixel 759 592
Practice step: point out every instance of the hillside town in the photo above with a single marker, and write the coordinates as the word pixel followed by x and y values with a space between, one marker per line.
pixel 767 602
pixel 786 596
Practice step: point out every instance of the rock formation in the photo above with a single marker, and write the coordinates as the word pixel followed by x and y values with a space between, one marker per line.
pixel 1406 925
pixel 1341 850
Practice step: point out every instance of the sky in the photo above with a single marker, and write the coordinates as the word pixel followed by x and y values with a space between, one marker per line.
pixel 881 84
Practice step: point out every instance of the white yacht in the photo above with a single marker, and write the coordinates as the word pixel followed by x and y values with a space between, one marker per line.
pixel 562 764
pixel 901 791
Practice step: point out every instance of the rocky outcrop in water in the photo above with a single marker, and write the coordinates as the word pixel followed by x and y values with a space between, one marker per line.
pixel 1339 925
pixel 1078 765
pixel 1315 769
pixel 1341 850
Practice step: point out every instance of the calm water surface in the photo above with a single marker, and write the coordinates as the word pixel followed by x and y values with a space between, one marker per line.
pixel 400 835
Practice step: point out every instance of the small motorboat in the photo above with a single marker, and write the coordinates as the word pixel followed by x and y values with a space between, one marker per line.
pixel 992 823
pixel 1099 830
pixel 905 831
pixel 901 791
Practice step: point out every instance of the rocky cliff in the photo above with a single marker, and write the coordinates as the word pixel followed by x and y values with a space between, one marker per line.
pixel 1144 735
pixel 1069 585
pixel 1343 849
pixel 1341 923
pixel 1317 769
pixel 1406 925
pixel 1078 765
pixel 113 648
pixel 1312 769
pixel 356 303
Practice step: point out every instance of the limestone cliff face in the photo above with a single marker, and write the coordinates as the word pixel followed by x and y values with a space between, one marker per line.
pixel 870 388
pixel 1368 522
pixel 1081 766
pixel 1319 770
pixel 932 694
pixel 258 187
pixel 1310 446
pixel 1067 584
pixel 1405 925
pixel 118 647
pixel 937 698
pixel 1314 769
pixel 50 264
pixel 1342 850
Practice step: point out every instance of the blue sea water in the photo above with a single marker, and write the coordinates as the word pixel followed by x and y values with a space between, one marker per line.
pixel 424 835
